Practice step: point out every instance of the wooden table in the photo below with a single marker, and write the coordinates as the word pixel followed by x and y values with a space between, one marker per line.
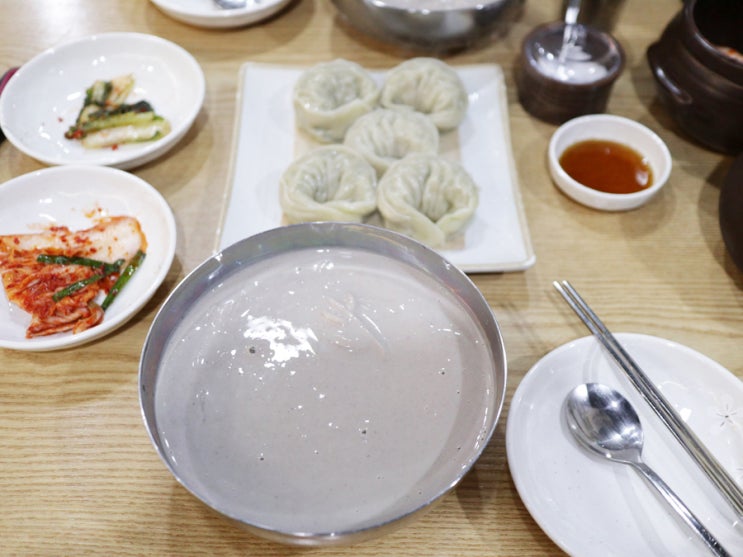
pixel 78 474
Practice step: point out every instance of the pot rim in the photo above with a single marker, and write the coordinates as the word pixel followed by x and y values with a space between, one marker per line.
pixel 706 51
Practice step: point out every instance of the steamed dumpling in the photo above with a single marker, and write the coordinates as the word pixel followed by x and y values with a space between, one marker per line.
pixel 427 197
pixel 427 85
pixel 385 136
pixel 330 183
pixel 330 96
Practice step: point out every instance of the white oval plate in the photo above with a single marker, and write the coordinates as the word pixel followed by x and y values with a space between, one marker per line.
pixel 73 196
pixel 590 506
pixel 206 13
pixel 42 100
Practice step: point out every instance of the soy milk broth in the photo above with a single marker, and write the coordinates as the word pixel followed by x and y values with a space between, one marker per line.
pixel 321 389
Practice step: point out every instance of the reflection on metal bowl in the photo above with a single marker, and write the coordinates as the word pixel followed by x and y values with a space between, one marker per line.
pixel 431 25
pixel 321 383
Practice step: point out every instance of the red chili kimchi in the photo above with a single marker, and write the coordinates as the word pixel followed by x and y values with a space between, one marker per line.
pixel 32 285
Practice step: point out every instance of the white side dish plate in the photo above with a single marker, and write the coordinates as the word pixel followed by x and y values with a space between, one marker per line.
pixel 42 100
pixel 73 196
pixel 267 140
pixel 591 506
pixel 206 13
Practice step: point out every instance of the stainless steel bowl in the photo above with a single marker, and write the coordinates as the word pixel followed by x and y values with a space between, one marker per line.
pixel 431 25
pixel 329 424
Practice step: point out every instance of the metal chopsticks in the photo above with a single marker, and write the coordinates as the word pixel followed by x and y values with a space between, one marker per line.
pixel 683 434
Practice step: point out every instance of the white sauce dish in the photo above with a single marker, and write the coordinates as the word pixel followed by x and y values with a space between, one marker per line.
pixel 206 13
pixel 618 130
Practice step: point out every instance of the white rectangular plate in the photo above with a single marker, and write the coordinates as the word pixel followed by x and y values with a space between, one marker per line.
pixel 266 141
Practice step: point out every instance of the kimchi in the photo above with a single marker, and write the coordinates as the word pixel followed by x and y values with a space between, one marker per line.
pixel 58 276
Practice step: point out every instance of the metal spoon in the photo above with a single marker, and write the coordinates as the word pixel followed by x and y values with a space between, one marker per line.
pixel 231 4
pixel 569 34
pixel 603 421
pixel 571 12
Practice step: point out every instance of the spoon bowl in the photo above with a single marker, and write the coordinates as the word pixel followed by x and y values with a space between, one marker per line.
pixel 604 422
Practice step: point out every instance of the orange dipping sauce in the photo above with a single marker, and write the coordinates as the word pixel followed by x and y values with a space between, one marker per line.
pixel 607 166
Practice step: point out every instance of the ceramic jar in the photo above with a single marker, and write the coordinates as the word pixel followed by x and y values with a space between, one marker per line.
pixel 563 72
pixel 698 69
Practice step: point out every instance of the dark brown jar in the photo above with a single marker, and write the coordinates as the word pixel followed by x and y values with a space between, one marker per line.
pixel 699 74
pixel 556 86
pixel 731 211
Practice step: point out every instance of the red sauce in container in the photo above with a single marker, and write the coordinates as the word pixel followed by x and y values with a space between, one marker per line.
pixel 607 166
